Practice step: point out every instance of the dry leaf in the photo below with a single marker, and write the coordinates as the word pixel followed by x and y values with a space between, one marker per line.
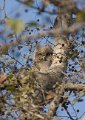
pixel 50 95
pixel 2 78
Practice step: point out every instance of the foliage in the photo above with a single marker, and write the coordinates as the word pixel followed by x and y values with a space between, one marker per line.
pixel 16 25
pixel 81 16
pixel 30 80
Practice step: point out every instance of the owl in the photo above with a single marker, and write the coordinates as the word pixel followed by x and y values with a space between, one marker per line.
pixel 43 58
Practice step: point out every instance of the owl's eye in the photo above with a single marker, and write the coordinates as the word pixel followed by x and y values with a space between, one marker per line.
pixel 47 54
pixel 39 54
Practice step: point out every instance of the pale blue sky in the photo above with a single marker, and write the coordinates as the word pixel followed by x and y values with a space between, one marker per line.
pixel 12 8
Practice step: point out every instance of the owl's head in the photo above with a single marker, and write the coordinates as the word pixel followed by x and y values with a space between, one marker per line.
pixel 43 52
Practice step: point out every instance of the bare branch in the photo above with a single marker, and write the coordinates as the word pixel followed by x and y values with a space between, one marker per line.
pixel 25 38
pixel 59 94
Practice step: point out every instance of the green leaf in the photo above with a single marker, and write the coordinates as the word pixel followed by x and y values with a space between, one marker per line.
pixel 11 88
pixel 32 24
pixel 4 51
pixel 16 25
pixel 75 101
pixel 81 16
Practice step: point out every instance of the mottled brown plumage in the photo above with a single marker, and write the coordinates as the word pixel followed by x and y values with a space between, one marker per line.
pixel 43 58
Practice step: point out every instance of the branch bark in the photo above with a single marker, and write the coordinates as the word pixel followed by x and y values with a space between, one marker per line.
pixel 59 95
pixel 54 74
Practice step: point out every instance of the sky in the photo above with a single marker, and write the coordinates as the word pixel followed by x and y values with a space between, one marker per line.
pixel 14 9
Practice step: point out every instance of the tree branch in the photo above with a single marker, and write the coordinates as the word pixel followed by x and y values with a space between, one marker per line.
pixel 59 94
